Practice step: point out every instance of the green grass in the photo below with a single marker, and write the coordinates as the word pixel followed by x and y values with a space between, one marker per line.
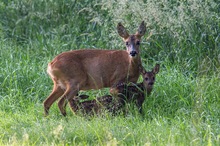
pixel 182 110
pixel 184 107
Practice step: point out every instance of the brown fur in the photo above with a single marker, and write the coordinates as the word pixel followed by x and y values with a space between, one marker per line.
pixel 127 93
pixel 77 70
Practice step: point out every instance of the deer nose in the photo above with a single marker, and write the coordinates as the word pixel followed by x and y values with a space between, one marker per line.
pixel 133 53
pixel 151 83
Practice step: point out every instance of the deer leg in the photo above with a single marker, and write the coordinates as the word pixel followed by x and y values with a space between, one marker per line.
pixel 61 104
pixel 72 101
pixel 55 94
pixel 69 94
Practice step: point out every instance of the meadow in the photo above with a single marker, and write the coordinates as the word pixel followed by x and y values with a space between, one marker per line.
pixel 184 107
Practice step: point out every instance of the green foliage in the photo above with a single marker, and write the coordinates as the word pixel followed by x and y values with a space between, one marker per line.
pixel 183 32
pixel 29 21
pixel 184 106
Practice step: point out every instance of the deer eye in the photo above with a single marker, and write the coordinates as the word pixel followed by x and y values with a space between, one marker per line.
pixel 146 78
pixel 138 43
pixel 153 78
pixel 126 43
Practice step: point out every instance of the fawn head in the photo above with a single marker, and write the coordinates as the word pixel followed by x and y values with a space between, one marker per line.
pixel 149 77
pixel 132 42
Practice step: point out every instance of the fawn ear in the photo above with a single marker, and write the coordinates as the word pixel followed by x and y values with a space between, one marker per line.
pixel 141 30
pixel 122 31
pixel 156 69
pixel 142 70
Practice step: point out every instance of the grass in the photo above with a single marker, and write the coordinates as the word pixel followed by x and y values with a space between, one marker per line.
pixel 32 129
pixel 183 108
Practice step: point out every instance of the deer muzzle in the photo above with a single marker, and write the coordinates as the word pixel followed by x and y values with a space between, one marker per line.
pixel 133 53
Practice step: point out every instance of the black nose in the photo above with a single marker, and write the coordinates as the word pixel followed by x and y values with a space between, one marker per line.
pixel 151 83
pixel 133 53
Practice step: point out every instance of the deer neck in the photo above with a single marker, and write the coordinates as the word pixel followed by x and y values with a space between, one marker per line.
pixel 135 61
pixel 149 91
pixel 133 71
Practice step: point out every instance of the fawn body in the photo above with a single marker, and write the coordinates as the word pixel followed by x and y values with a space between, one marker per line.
pixel 77 70
pixel 127 93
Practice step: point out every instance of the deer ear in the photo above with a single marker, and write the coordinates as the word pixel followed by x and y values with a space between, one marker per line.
pixel 141 30
pixel 156 68
pixel 122 31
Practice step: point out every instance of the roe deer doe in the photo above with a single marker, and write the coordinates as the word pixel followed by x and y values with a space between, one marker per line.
pixel 127 93
pixel 77 70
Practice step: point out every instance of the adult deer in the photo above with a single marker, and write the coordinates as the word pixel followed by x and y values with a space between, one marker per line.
pixel 77 70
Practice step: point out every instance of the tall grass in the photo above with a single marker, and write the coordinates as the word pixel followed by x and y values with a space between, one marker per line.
pixel 183 32
pixel 184 106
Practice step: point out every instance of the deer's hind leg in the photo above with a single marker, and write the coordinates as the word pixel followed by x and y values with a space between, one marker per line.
pixel 70 93
pixel 55 94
